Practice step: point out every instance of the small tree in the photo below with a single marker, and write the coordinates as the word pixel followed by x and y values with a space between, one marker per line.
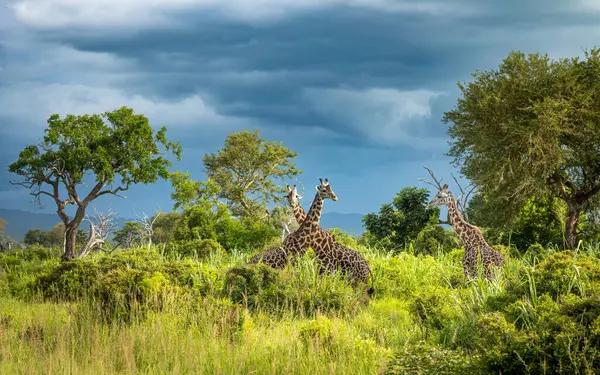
pixel 404 218
pixel 245 171
pixel 131 233
pixel 2 225
pixel 532 129
pixel 117 144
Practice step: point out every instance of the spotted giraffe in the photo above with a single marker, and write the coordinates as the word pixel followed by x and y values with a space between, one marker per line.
pixel 470 235
pixel 278 258
pixel 333 256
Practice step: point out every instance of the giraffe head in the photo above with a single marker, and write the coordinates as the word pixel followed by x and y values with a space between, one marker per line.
pixel 442 198
pixel 292 196
pixel 325 190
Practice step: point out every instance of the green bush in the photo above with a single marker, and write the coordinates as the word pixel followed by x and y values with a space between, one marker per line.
pixel 198 249
pixel 422 359
pixel 123 283
pixel 297 290
pixel 344 238
pixel 433 239
pixel 564 272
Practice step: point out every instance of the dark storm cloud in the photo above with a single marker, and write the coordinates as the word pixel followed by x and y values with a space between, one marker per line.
pixel 361 87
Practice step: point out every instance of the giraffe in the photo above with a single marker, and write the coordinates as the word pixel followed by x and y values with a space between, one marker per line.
pixel 278 257
pixel 332 255
pixel 470 235
pixel 308 233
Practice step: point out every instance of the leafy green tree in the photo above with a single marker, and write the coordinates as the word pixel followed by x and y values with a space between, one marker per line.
pixel 117 144
pixel 37 236
pixel 53 237
pixel 531 128
pixel 2 225
pixel 188 192
pixel 164 226
pixel 245 170
pixel 403 219
pixel 131 233
pixel 538 221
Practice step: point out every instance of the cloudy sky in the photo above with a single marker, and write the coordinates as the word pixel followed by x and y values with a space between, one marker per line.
pixel 357 87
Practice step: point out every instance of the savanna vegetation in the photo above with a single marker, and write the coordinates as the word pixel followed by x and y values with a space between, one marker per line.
pixel 174 293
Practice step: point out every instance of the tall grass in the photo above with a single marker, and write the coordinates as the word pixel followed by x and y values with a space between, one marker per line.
pixel 417 298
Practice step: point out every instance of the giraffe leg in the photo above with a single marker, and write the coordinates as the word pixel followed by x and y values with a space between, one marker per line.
pixel 468 264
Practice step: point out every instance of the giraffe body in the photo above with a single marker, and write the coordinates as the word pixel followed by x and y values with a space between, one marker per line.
pixel 471 237
pixel 333 256
pixel 276 258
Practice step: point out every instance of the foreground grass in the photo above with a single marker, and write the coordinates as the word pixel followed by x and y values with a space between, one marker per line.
pixel 418 300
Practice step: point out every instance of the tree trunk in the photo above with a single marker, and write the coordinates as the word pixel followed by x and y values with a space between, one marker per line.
pixel 573 214
pixel 70 242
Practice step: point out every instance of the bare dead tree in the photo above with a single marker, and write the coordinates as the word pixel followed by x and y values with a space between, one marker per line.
pixel 462 199
pixel 100 228
pixel 147 225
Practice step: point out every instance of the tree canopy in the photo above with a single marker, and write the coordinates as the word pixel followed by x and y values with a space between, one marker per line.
pixel 246 170
pixel 404 218
pixel 531 128
pixel 116 145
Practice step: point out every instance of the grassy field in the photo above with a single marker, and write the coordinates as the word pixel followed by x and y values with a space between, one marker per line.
pixel 138 312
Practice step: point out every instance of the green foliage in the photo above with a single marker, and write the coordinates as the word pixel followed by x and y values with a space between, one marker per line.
pixel 188 193
pixel 564 273
pixel 403 219
pixel 53 237
pixel 245 170
pixel 123 284
pixel 196 248
pixel 114 145
pixel 2 225
pixel 531 128
pixel 344 238
pixel 203 221
pixel 538 221
pixel 164 226
pixel 433 239
pixel 296 291
pixel 131 234
pixel 422 359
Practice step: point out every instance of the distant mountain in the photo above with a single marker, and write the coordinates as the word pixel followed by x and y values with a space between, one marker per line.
pixel 349 223
pixel 19 222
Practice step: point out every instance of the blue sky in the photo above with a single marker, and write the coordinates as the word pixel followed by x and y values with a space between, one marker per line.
pixel 357 87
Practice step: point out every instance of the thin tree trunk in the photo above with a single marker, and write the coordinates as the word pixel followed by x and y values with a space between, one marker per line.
pixel 573 214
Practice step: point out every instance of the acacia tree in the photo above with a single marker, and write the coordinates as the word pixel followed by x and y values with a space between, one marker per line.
pixel 532 129
pixel 245 171
pixel 114 145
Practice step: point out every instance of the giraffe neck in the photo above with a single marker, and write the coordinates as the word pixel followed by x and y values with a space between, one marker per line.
pixel 464 230
pixel 311 222
pixel 456 218
pixel 299 213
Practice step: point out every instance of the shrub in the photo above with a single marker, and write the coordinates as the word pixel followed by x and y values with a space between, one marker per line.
pixel 563 273
pixel 123 283
pixel 244 284
pixel 198 249
pixel 422 359
pixel 433 239
pixel 344 238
